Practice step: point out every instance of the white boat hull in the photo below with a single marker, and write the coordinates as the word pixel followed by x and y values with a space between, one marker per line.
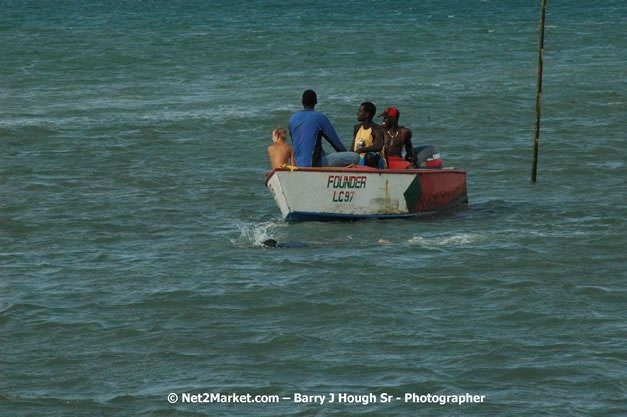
pixel 355 193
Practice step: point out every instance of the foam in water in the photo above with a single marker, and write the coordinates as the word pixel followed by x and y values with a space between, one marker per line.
pixel 454 240
pixel 254 234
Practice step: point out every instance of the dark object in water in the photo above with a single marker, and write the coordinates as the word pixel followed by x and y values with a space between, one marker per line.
pixel 271 243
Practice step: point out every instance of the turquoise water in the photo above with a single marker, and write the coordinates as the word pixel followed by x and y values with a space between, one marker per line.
pixel 133 207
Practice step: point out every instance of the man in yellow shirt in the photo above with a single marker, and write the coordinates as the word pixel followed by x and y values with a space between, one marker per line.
pixel 368 137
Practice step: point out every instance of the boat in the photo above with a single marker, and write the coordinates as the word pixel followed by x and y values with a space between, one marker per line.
pixel 352 193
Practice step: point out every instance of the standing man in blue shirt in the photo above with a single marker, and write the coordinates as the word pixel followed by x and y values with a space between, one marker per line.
pixel 307 128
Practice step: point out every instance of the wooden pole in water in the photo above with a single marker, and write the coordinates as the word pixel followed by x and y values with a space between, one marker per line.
pixel 536 130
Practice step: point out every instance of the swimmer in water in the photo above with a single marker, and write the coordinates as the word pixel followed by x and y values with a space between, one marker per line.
pixel 271 243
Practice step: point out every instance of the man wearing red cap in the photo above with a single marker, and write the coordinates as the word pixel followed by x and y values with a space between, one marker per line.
pixel 394 138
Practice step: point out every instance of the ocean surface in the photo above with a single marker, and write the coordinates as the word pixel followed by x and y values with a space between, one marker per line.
pixel 133 280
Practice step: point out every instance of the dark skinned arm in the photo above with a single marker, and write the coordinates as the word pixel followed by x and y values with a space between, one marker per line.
pixel 409 147
pixel 333 144
pixel 377 141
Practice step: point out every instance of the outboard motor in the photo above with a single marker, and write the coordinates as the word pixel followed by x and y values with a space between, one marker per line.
pixel 428 156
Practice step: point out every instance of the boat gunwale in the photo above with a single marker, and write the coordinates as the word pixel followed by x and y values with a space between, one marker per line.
pixel 367 170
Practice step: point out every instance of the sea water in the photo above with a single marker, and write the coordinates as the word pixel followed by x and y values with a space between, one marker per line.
pixel 133 279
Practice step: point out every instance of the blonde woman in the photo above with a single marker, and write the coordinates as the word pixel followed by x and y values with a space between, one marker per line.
pixel 280 152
